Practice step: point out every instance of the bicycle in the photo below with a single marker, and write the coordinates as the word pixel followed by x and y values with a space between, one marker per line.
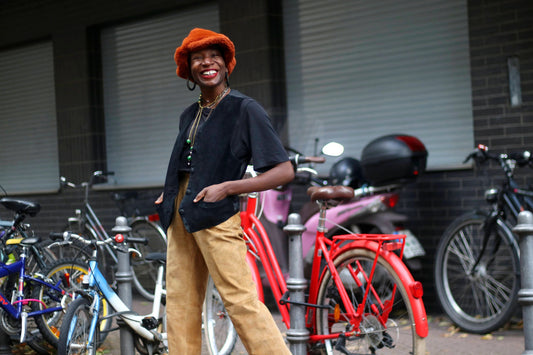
pixel 87 223
pixel 35 289
pixel 362 298
pixel 79 333
pixel 13 232
pixel 477 264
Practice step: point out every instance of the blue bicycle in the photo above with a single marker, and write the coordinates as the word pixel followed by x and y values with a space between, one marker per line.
pixel 39 290
pixel 80 333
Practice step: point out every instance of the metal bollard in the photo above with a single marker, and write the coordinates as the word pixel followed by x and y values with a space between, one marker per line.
pixel 524 229
pixel 124 278
pixel 297 335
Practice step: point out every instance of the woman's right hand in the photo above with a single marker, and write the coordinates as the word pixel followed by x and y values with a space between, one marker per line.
pixel 159 199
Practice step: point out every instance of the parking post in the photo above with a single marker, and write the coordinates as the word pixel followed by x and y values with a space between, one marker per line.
pixel 297 335
pixel 124 278
pixel 524 229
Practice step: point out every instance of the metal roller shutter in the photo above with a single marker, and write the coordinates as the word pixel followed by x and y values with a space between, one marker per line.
pixel 143 97
pixel 357 70
pixel 28 126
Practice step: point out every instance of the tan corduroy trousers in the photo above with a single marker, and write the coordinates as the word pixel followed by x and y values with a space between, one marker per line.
pixel 219 251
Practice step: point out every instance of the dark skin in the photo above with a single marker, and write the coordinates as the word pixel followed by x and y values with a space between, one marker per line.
pixel 208 71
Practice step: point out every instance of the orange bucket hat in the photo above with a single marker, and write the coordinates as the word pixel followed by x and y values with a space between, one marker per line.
pixel 198 39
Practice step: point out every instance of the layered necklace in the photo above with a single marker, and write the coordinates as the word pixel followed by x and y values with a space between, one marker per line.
pixel 196 123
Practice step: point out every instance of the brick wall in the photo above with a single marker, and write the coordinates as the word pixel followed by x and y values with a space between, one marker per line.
pixel 498 30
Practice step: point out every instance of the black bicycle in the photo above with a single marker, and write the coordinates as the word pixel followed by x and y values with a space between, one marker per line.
pixel 86 223
pixel 477 265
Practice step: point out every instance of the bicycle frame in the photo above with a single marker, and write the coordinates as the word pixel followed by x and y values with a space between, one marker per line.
pixel 15 308
pixel 327 250
pixel 90 217
pixel 87 222
pixel 97 281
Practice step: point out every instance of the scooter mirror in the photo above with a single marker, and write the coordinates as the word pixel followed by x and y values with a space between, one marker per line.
pixel 333 149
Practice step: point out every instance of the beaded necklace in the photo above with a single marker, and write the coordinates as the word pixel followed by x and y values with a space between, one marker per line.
pixel 196 123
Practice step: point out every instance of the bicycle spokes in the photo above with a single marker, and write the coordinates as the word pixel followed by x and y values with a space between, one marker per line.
pixel 383 316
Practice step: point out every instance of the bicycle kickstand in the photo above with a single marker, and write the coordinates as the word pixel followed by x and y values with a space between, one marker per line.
pixel 341 346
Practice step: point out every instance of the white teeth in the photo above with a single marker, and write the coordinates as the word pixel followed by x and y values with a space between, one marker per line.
pixel 209 72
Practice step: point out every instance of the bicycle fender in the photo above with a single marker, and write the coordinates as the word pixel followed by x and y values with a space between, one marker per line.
pixel 419 310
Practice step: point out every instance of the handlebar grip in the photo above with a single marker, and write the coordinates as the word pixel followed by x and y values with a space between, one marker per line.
pixel 301 159
pixel 138 240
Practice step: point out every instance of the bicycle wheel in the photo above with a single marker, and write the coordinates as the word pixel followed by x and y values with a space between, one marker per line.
pixel 478 299
pixel 145 272
pixel 11 326
pixel 377 332
pixel 76 328
pixel 49 323
pixel 218 329
pixel 39 260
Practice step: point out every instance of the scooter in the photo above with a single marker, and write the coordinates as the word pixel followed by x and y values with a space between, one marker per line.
pixel 370 211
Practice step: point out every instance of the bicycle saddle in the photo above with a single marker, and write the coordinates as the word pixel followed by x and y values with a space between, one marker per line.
pixel 330 192
pixel 21 206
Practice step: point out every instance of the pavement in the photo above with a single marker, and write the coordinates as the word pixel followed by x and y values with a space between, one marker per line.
pixel 443 338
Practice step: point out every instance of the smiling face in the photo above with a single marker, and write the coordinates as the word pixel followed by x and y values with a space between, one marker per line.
pixel 208 68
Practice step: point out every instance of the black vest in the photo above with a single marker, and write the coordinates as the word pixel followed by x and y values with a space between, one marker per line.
pixel 212 162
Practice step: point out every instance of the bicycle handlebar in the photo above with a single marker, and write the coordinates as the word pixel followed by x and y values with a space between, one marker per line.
pixel 125 239
pixel 298 159
pixel 91 182
pixel 481 154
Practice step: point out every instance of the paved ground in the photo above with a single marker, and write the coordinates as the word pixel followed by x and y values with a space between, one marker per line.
pixel 443 339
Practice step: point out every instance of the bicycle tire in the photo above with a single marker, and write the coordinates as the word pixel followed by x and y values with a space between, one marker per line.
pixel 35 339
pixel 49 323
pixel 12 326
pixel 219 331
pixel 484 300
pixel 75 329
pixel 145 273
pixel 398 336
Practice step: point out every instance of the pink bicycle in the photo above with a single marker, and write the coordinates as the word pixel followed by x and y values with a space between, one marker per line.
pixel 361 297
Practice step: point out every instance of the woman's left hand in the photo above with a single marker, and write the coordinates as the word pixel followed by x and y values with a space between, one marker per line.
pixel 212 193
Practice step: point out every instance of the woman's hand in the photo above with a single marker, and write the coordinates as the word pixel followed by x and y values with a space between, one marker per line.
pixel 159 199
pixel 212 193
pixel 280 174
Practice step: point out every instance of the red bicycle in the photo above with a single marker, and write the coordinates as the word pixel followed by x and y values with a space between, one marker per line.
pixel 361 298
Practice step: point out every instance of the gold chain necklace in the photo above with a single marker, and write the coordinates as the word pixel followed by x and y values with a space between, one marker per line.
pixel 196 123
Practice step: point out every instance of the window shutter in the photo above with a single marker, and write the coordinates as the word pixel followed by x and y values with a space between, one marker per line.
pixel 357 70
pixel 28 124
pixel 143 97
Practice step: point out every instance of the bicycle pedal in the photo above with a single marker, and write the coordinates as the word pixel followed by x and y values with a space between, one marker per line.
pixel 150 323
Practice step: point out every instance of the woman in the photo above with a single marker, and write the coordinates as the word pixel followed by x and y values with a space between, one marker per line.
pixel 218 137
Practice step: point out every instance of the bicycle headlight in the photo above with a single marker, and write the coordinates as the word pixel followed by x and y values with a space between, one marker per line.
pixel 491 195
